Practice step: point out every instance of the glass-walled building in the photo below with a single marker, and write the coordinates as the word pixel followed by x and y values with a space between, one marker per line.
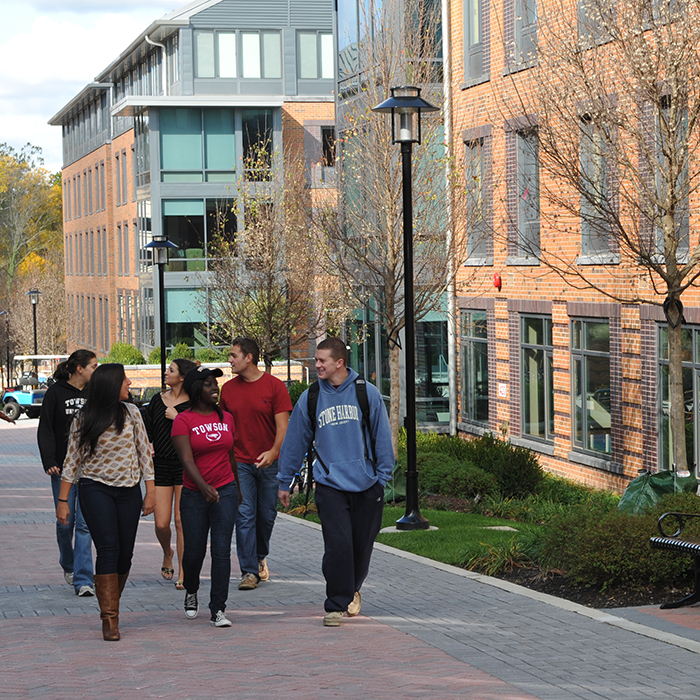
pixel 156 145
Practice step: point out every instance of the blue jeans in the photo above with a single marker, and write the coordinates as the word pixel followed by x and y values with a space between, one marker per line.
pixel 73 557
pixel 198 518
pixel 256 515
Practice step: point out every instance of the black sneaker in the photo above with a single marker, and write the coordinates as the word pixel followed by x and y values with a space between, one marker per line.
pixel 191 605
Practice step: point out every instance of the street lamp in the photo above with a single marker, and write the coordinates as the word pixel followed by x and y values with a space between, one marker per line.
pixel 33 295
pixel 160 246
pixel 405 106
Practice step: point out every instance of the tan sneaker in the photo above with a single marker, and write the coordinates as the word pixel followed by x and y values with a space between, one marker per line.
pixel 332 619
pixel 355 605
pixel 263 571
pixel 248 582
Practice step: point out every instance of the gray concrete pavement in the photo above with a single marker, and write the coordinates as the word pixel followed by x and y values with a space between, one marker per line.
pixel 426 629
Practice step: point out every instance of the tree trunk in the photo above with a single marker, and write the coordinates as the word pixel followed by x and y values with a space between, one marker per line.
pixel 395 395
pixel 676 397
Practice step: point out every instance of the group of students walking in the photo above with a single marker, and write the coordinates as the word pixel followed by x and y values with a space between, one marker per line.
pixel 212 460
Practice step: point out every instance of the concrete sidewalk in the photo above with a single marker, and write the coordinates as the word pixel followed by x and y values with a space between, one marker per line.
pixel 426 629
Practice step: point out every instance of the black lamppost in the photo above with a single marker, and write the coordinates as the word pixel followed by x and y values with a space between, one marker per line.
pixel 405 106
pixel 6 314
pixel 33 295
pixel 160 246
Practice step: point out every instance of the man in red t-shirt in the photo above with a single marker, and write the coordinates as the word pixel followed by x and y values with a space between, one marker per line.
pixel 260 407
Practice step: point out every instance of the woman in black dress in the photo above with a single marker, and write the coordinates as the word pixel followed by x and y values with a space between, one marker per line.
pixel 160 413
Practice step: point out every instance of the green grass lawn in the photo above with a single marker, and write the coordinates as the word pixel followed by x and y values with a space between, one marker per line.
pixel 458 533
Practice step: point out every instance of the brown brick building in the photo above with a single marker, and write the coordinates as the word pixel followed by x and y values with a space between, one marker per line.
pixel 571 373
pixel 156 144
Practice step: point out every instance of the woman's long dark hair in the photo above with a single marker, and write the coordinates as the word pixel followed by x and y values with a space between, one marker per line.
pixel 196 394
pixel 102 408
pixel 184 366
pixel 80 358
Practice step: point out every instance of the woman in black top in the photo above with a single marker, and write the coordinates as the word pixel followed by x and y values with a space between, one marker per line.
pixel 160 413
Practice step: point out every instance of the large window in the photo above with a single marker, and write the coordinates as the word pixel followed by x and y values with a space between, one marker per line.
pixel 525 30
pixel 528 191
pixel 475 367
pixel 197 145
pixel 595 190
pixel 590 358
pixel 432 370
pixel 186 317
pixel 476 199
pixel 315 54
pixel 194 225
pixel 476 41
pixel 238 54
pixel 691 372
pixel 537 377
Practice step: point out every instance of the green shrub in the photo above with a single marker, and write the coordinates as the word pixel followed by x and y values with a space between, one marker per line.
pixel 182 351
pixel 205 355
pixel 608 549
pixel 442 474
pixel 125 354
pixel 516 469
pixel 154 356
pixel 296 389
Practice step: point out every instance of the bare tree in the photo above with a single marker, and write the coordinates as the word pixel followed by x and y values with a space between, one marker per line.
pixel 266 283
pixel 46 275
pixel 398 44
pixel 612 106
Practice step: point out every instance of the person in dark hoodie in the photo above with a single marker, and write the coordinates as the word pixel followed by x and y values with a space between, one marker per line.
pixel 62 401
pixel 349 482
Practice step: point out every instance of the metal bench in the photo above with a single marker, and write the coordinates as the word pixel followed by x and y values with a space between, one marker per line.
pixel 675 543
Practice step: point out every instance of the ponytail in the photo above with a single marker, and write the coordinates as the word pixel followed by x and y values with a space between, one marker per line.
pixel 80 358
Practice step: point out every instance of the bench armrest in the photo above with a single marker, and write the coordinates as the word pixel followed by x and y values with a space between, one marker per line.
pixel 679 518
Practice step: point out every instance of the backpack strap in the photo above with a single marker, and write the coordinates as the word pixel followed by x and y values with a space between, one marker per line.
pixel 363 400
pixel 312 404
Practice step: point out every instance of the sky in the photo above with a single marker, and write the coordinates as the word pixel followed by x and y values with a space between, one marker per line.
pixel 51 49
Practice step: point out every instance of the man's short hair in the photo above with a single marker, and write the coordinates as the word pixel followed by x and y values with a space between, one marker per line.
pixel 249 347
pixel 337 348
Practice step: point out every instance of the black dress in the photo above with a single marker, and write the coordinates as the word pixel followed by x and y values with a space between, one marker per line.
pixel 167 467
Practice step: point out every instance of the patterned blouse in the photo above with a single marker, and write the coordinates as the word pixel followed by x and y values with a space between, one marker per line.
pixel 119 459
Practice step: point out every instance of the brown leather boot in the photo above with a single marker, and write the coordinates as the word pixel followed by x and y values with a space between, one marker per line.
pixel 107 591
pixel 122 582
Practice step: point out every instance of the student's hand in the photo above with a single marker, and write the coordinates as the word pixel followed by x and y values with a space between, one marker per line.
pixel 211 494
pixel 53 471
pixel 62 513
pixel 284 498
pixel 170 413
pixel 6 418
pixel 265 459
pixel 149 503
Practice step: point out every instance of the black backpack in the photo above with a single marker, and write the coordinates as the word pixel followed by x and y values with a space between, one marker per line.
pixel 312 404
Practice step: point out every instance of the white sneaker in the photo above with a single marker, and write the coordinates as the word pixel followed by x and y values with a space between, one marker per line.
pixel 220 619
pixel 191 605
pixel 85 592
pixel 68 576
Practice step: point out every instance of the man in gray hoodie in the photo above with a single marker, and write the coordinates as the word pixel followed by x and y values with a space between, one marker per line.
pixel 351 467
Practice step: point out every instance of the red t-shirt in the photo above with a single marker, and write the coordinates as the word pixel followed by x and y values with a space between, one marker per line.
pixel 211 440
pixel 254 406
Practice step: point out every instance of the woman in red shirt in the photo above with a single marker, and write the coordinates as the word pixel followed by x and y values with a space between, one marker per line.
pixel 203 438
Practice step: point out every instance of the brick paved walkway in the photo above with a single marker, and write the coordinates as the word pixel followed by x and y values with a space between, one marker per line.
pixel 427 630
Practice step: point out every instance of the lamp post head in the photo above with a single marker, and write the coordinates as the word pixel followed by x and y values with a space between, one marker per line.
pixel 160 245
pixel 33 295
pixel 405 106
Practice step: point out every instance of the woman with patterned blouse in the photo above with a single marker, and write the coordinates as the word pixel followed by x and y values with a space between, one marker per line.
pixel 159 416
pixel 109 454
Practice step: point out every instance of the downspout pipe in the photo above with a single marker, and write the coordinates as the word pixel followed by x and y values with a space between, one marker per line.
pixel 164 61
pixel 451 301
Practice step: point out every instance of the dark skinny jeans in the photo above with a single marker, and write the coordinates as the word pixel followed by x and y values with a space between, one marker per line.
pixel 112 515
